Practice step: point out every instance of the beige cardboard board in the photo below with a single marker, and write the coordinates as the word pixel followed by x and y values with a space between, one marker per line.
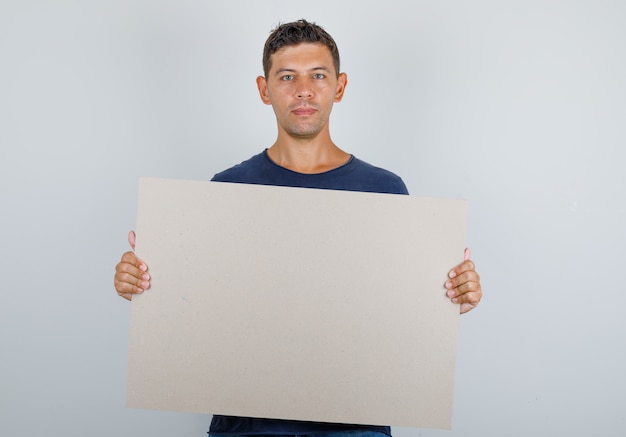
pixel 295 303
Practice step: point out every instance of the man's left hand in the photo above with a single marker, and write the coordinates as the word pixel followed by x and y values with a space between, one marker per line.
pixel 464 284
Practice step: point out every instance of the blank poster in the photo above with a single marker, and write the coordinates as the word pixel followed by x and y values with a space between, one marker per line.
pixel 295 303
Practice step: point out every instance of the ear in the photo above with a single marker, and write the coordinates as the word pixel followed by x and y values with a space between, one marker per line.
pixel 342 82
pixel 261 84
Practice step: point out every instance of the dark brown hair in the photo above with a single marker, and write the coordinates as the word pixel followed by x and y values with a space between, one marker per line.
pixel 294 33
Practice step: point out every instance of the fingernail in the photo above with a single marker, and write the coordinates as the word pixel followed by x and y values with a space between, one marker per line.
pixel 449 284
pixel 452 274
pixel 145 276
pixel 145 284
pixel 450 293
pixel 455 300
pixel 140 290
pixel 143 267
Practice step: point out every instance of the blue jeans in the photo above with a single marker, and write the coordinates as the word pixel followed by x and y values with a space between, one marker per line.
pixel 328 434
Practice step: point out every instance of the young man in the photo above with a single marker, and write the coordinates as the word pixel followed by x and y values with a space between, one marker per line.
pixel 302 82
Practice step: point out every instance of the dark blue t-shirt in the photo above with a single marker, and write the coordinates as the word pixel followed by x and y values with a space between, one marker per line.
pixel 355 175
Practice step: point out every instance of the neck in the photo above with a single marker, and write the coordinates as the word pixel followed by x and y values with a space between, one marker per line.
pixel 310 155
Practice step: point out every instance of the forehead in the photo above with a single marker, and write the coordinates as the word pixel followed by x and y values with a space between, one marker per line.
pixel 302 56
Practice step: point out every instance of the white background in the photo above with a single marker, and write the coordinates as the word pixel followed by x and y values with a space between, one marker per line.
pixel 519 107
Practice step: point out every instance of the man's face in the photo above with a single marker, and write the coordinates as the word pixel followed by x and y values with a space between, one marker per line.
pixel 302 86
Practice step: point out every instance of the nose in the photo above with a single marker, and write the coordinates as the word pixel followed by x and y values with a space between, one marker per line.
pixel 304 89
pixel 304 93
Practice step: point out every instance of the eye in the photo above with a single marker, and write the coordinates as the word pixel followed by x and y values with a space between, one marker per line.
pixel 319 76
pixel 287 77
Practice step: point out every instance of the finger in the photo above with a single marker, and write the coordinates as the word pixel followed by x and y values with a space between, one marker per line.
pixel 132 272
pixel 125 272
pixel 131 258
pixel 126 290
pixel 466 266
pixel 129 279
pixel 466 281
pixel 465 288
pixel 131 239
pixel 131 276
pixel 468 294
pixel 126 285
pixel 470 298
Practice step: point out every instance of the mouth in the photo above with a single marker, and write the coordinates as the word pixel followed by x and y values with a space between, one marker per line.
pixel 304 111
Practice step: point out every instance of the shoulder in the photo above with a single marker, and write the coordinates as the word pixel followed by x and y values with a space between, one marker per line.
pixel 244 172
pixel 377 178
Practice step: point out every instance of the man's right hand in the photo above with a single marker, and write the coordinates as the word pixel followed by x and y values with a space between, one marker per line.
pixel 131 274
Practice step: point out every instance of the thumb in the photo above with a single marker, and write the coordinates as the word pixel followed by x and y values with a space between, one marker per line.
pixel 131 239
pixel 467 255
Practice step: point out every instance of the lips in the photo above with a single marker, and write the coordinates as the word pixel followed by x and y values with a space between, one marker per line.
pixel 304 111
